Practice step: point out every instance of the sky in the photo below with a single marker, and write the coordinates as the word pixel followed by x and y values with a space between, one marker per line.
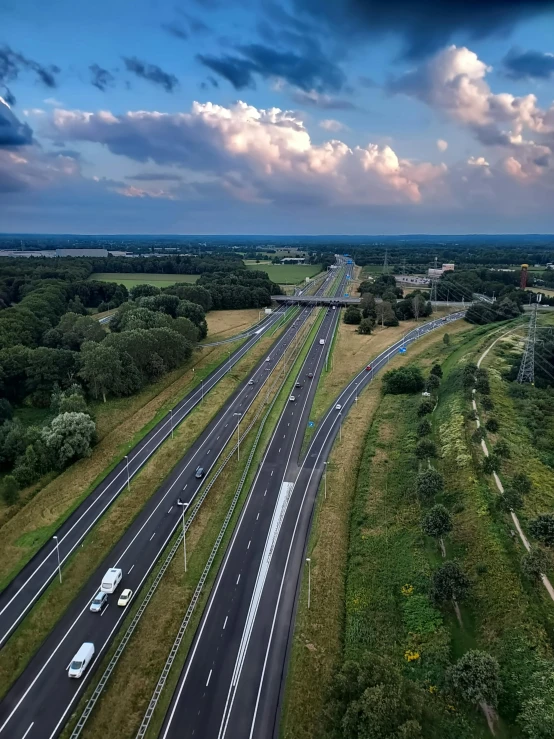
pixel 262 116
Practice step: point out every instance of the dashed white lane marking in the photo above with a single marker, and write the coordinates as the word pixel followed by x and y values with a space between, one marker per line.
pixel 265 491
pixel 28 730
pixel 225 622
pixel 153 535
pixel 130 570
pixel 209 450
pixel 208 680
pixel 169 511
pixel 238 578
pixel 271 473
pixel 257 516
pixel 248 547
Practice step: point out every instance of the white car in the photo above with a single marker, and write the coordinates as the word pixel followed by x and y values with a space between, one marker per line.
pixel 292 398
pixel 338 407
pixel 124 598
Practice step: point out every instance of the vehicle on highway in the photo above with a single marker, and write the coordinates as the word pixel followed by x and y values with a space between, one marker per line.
pixel 99 602
pixel 199 474
pixel 125 597
pixel 334 307
pixel 250 382
pixel 268 359
pixel 322 342
pixel 111 580
pixel 338 407
pixel 368 368
pixel 292 398
pixel 297 384
pixel 80 662
pixel 310 375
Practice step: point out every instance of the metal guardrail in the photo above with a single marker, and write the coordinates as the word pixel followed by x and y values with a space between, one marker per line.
pixel 91 703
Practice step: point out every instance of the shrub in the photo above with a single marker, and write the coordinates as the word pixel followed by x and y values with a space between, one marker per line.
pixel 436 369
pixel 521 483
pixel 492 425
pixel 534 563
pixel 433 382
pixel 424 428
pixel 501 449
pixel 419 615
pixel 487 403
pixel 352 315
pixel 542 528
pixel 426 448
pixel 512 500
pixel 449 581
pixel 446 339
pixel 491 464
pixel 437 522
pixel 426 406
pixel 366 326
pixel 10 490
pixel 476 678
pixel 482 385
pixel 403 380
pixel 478 435
pixel 429 483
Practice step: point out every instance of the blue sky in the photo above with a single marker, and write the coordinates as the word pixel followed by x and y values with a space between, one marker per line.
pixel 253 116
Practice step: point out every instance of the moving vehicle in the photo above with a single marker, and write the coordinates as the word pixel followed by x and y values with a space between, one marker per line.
pixel 268 359
pixel 125 597
pixel 334 307
pixel 338 407
pixel 80 662
pixel 292 398
pixel 99 602
pixel 310 375
pixel 199 474
pixel 297 384
pixel 111 580
pixel 322 342
pixel 250 382
pixel 368 368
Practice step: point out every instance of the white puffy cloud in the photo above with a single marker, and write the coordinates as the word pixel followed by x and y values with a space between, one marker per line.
pixel 258 155
pixel 442 145
pixel 330 124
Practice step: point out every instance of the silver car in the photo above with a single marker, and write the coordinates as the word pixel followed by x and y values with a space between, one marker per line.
pixel 99 602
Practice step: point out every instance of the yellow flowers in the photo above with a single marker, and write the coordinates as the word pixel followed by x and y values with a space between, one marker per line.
pixel 433 689
pixel 407 590
pixel 411 656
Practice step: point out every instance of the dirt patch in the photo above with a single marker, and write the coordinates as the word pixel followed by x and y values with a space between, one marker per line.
pixel 223 324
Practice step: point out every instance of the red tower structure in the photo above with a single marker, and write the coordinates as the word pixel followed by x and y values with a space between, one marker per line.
pixel 523 278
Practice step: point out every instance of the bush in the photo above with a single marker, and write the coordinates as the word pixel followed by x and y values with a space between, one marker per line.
pixel 403 380
pixel 366 326
pixel 478 435
pixel 449 581
pixel 534 563
pixel 482 385
pixel 502 449
pixel 425 448
pixel 426 406
pixel 491 464
pixel 428 484
pixel 492 425
pixel 437 522
pixel 424 428
pixel 352 315
pixel 420 616
pixel 512 500
pixel 9 490
pixel 446 339
pixel 542 528
pixel 521 483
pixel 69 437
pixel 436 369
pixel 433 382
pixel 476 677
pixel 487 403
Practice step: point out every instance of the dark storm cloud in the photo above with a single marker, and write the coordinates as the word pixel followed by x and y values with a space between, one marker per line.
pixel 239 72
pixel 306 72
pixel 175 29
pixel 543 161
pixel 522 65
pixel 101 78
pixel 154 177
pixel 423 26
pixel 12 64
pixel 152 73
pixel 12 131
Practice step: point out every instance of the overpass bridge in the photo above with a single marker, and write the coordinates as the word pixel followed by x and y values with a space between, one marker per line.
pixel 348 300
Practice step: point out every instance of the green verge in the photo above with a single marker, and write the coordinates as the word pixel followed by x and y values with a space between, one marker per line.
pixel 130 708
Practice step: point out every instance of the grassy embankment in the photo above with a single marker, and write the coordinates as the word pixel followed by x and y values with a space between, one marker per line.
pixel 287 274
pixel 46 612
pixel 126 697
pixel 372 552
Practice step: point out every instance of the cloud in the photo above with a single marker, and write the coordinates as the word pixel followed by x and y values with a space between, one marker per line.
pixel 367 81
pixel 524 65
pixel 12 131
pixel 329 124
pixel 319 100
pixel 54 102
pixel 255 155
pixel 307 71
pixel 423 27
pixel 175 29
pixel 154 177
pixel 152 73
pixel 442 145
pixel 30 169
pixel 101 78
pixel 137 192
pixel 13 63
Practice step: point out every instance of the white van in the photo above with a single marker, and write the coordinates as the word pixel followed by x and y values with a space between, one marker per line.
pixel 80 662
pixel 111 580
pixel 322 342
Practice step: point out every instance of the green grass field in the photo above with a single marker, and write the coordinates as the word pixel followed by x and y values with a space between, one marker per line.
pixel 287 274
pixel 130 279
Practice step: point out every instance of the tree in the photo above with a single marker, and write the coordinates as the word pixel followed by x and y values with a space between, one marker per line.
pixel 476 678
pixel 385 314
pixel 491 425
pixel 542 528
pixel 101 369
pixel 423 428
pixel 437 522
pixel 482 385
pixel 521 483
pixel 143 291
pixel 366 326
pixel 433 382
pixel 491 464
pixel 368 307
pixel 428 484
pixel 487 403
pixel 403 380
pixel 10 490
pixel 436 369
pixel 418 305
pixel 537 707
pixel 449 582
pixel 512 500
pixel 352 315
pixel 534 563
pixel 446 339
pixel 69 437
pixel 426 406
pixel 425 448
pixel 501 449
pixel 6 410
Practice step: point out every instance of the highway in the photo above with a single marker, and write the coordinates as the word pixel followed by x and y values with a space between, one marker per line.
pixel 22 592
pixel 42 698
pixel 231 683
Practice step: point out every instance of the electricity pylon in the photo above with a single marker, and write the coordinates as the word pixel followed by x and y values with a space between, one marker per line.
pixel 527 367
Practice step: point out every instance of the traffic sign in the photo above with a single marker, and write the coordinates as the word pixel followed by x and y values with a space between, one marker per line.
pixel 311 423
pixel 402 350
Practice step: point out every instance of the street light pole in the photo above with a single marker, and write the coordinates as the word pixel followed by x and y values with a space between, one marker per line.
pixel 308 560
pixel 202 391
pixel 59 563
pixel 128 478
pixel 171 415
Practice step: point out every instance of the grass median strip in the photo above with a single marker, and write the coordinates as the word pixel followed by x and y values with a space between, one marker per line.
pixel 97 544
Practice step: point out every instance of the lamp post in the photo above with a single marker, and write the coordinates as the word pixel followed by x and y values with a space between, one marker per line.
pixel 238 434
pixel 202 391
pixel 128 477
pixel 308 560
pixel 59 563
pixel 171 420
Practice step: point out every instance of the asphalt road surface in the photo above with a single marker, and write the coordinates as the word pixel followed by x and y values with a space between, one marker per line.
pixel 42 698
pixel 232 680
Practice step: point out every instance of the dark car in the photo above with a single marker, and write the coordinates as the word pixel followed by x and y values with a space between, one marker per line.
pixel 310 375
pixel 199 472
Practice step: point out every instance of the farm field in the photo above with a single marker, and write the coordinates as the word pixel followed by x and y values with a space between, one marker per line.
pixel 130 279
pixel 287 274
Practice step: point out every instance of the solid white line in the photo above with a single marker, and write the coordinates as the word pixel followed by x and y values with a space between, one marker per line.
pixel 28 730
pixel 225 622
pixel 130 570
pixel 208 680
